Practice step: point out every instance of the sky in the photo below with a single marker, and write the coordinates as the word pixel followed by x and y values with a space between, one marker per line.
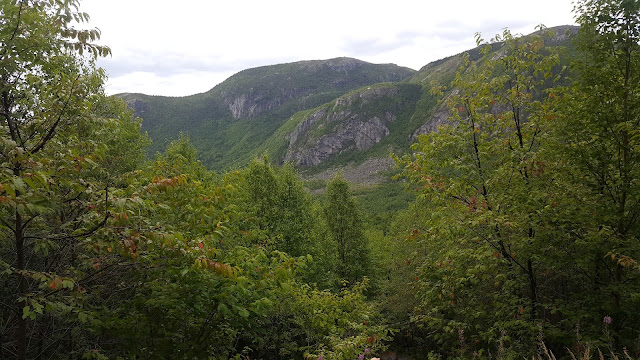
pixel 184 47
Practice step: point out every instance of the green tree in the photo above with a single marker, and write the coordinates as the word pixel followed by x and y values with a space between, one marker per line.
pixel 102 256
pixel 276 208
pixel 295 221
pixel 531 220
pixel 346 232
pixel 490 189
pixel 117 136
pixel 49 174
pixel 196 292
pixel 183 148
pixel 597 129
pixel 397 256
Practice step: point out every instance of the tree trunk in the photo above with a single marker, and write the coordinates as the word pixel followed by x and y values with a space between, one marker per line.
pixel 533 288
pixel 18 232
pixel 22 287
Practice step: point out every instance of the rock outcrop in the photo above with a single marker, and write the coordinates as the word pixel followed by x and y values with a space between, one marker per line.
pixel 371 171
pixel 139 107
pixel 248 105
pixel 348 124
pixel 440 117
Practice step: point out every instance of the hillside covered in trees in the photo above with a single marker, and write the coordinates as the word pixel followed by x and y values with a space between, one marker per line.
pixel 516 233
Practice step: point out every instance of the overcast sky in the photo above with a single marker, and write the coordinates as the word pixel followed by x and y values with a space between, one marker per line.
pixel 183 47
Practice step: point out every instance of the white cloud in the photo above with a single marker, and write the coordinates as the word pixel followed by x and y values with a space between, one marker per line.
pixel 166 47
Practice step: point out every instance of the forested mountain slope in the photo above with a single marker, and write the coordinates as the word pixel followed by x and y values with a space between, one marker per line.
pixel 310 113
pixel 227 123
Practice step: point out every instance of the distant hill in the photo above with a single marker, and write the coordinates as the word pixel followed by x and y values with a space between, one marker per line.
pixel 228 123
pixel 374 120
pixel 315 114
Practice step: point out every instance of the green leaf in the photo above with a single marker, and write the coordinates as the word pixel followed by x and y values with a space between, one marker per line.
pixel 223 309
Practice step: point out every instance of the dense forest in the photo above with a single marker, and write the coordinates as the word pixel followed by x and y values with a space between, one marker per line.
pixel 518 236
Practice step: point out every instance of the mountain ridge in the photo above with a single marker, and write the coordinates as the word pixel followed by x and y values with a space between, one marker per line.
pixel 236 116
pixel 312 113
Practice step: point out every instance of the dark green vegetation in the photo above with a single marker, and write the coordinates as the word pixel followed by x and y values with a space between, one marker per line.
pixel 514 230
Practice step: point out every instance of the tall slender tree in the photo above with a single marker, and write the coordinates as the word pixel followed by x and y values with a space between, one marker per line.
pixel 346 232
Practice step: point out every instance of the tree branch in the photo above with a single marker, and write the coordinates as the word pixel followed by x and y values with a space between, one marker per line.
pixel 95 228
pixel 50 134
pixel 6 104
pixel 7 225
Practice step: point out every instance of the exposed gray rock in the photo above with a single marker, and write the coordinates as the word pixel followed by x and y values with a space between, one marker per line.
pixel 354 134
pixel 249 105
pixel 369 172
pixel 441 117
pixel 343 128
pixel 306 125
pixel 139 107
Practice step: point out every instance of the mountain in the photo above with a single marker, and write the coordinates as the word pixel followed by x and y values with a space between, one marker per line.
pixel 318 115
pixel 372 121
pixel 230 122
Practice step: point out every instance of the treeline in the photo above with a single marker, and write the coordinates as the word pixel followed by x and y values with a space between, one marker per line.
pixel 523 238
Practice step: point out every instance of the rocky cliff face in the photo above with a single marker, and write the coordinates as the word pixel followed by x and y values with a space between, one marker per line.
pixel 440 117
pixel 299 112
pixel 347 124
pixel 139 106
pixel 250 104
